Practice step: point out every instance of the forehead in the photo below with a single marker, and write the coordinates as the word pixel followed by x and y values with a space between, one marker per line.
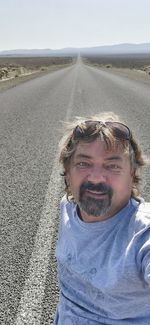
pixel 97 148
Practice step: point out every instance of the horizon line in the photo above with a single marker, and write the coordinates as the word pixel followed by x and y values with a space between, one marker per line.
pixel 72 47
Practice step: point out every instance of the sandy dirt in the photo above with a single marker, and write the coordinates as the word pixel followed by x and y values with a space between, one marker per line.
pixel 133 74
pixel 16 70
pixel 13 79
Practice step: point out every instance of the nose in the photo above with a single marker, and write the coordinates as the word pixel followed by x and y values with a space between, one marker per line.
pixel 97 175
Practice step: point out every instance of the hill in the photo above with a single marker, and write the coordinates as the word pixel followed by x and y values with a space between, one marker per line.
pixel 117 49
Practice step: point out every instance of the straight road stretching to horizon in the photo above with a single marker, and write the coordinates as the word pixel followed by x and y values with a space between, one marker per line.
pixel 31 116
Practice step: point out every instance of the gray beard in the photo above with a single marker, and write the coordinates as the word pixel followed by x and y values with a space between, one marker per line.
pixel 95 207
pixel 92 206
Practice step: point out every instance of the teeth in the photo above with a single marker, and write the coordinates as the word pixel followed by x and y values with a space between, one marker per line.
pixel 96 192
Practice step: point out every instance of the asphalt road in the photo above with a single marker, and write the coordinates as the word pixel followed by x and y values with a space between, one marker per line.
pixel 30 182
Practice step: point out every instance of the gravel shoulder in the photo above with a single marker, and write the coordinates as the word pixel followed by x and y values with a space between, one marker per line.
pixel 14 81
pixel 133 74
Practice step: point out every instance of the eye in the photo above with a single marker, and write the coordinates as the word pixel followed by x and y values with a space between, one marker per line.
pixel 115 167
pixel 83 164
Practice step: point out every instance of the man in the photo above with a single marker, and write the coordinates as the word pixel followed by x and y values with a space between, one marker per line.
pixel 103 249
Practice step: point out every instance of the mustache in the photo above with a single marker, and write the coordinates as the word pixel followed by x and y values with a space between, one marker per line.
pixel 99 187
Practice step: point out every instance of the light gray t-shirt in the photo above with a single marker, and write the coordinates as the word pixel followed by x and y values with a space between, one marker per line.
pixel 104 267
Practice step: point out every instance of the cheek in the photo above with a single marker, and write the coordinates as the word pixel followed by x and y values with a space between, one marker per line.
pixel 75 178
pixel 122 184
pixel 72 180
pixel 75 183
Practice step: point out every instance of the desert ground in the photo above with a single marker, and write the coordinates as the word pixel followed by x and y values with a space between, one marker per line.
pixel 14 70
pixel 135 66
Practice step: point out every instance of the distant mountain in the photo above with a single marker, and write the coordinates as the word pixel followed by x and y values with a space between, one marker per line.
pixel 120 49
pixel 98 50
pixel 40 52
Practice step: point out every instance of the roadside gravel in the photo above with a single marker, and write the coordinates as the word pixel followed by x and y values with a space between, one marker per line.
pixel 132 74
pixel 13 82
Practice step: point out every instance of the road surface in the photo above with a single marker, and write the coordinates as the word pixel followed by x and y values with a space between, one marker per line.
pixel 31 117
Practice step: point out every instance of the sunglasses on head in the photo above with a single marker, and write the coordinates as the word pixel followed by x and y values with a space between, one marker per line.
pixel 88 128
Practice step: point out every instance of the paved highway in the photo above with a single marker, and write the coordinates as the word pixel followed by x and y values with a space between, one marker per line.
pixel 30 184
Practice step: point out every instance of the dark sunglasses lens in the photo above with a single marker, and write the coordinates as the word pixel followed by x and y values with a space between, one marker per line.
pixel 82 131
pixel 120 131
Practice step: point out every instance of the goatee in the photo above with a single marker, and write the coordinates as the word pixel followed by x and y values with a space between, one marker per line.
pixel 92 205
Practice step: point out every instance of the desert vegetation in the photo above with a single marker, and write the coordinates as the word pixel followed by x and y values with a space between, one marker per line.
pixel 14 67
pixel 132 61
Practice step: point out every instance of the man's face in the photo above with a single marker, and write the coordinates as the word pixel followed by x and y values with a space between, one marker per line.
pixel 100 180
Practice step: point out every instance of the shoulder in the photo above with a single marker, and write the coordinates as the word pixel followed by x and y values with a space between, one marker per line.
pixel 143 212
pixel 142 216
pixel 67 208
pixel 65 203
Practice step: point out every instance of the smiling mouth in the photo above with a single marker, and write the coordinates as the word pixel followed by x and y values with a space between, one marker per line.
pixel 97 194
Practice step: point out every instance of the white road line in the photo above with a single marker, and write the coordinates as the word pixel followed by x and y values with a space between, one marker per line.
pixel 30 307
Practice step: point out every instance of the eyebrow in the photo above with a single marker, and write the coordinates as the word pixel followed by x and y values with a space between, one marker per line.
pixel 114 158
pixel 81 155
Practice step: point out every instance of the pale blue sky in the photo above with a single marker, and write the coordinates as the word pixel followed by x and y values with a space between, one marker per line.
pixel 72 23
